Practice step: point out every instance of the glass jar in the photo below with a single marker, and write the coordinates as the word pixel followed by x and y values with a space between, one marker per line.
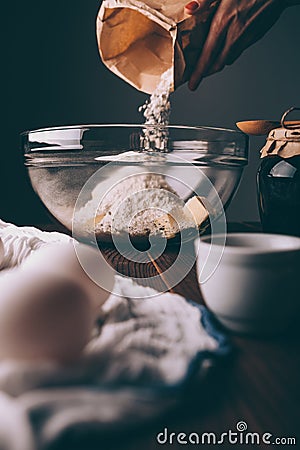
pixel 278 181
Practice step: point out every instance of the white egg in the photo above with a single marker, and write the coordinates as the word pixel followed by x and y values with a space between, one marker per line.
pixel 43 316
pixel 68 260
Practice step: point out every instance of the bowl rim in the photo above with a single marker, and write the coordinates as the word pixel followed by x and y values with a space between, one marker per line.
pixel 135 125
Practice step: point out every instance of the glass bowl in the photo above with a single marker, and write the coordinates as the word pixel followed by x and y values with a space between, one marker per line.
pixel 117 179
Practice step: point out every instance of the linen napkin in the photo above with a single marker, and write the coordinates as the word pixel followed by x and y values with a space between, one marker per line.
pixel 143 353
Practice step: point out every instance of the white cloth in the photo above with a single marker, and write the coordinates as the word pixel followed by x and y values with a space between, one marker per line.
pixel 141 346
pixel 19 242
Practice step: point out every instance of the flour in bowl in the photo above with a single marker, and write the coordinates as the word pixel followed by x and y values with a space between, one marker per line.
pixel 133 204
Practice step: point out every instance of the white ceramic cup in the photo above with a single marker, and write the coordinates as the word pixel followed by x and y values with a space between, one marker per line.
pixel 252 284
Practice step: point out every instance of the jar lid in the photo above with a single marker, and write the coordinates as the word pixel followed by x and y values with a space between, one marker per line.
pixel 284 141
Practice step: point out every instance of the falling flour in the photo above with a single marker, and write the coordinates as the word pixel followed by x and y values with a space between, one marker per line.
pixel 156 111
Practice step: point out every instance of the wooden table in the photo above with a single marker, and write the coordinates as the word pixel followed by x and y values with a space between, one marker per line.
pixel 259 385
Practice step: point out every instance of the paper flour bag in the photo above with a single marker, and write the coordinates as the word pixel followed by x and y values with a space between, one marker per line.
pixel 139 41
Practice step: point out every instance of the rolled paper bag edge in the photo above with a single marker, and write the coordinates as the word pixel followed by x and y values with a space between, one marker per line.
pixel 140 7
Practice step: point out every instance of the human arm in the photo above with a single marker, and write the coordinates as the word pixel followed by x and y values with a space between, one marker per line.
pixel 235 26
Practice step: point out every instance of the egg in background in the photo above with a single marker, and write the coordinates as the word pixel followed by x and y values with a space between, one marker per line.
pixel 43 316
pixel 63 259
pixel 48 305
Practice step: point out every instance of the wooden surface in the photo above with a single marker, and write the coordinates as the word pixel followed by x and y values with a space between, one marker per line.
pixel 259 385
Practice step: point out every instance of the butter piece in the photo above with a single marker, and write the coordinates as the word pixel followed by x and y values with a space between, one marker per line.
pixel 195 206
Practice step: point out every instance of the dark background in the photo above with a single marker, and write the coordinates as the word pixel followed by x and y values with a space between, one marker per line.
pixel 52 75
